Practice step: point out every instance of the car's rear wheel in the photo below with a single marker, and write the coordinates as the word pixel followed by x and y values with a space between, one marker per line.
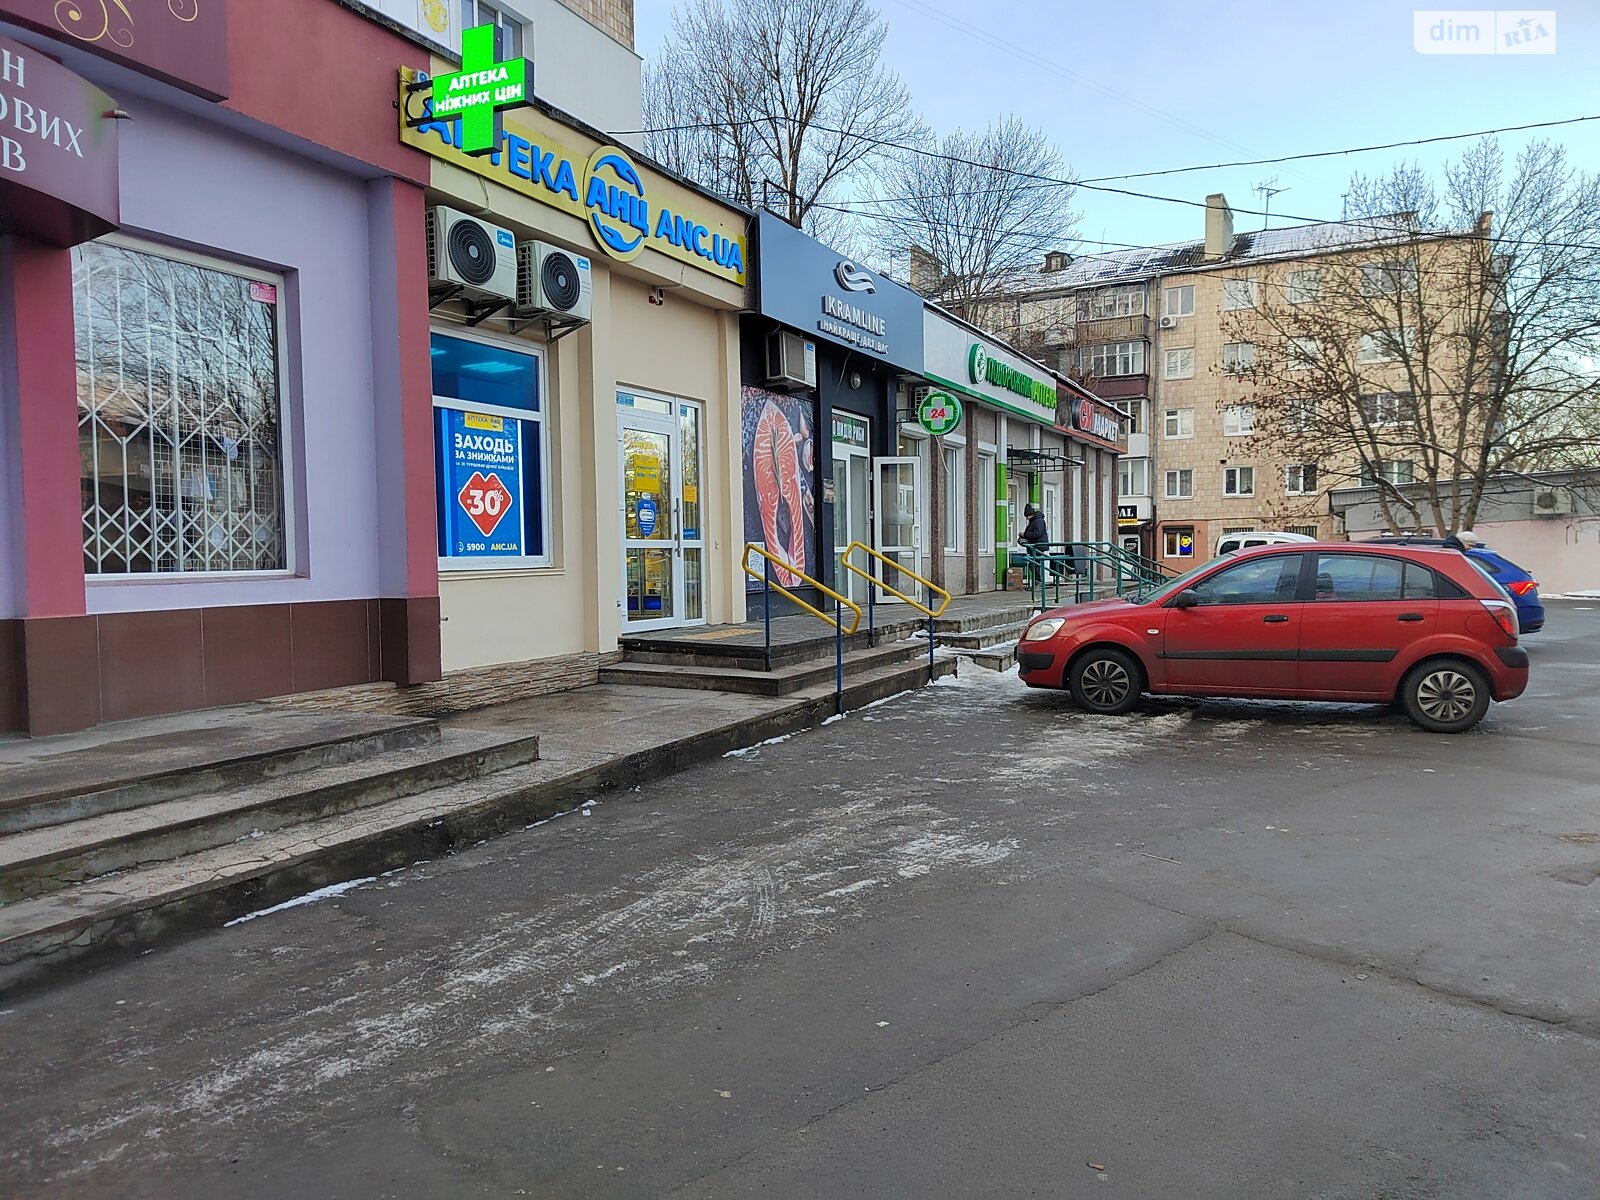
pixel 1106 680
pixel 1445 695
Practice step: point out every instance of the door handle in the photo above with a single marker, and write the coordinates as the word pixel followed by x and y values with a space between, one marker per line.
pixel 1409 617
pixel 1274 619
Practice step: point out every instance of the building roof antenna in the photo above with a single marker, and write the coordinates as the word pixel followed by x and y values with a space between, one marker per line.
pixel 1268 189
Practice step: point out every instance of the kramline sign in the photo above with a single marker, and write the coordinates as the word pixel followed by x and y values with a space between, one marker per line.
pixel 478 92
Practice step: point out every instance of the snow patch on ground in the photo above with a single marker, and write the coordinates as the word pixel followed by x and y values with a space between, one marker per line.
pixel 749 750
pixel 323 893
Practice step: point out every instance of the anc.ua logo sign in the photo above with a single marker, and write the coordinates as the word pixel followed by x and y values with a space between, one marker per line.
pixel 613 193
pixel 627 209
pixel 623 223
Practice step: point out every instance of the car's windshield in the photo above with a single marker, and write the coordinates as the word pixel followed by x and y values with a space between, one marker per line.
pixel 1171 587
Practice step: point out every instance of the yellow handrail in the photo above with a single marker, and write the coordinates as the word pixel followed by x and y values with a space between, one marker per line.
pixel 752 548
pixel 933 588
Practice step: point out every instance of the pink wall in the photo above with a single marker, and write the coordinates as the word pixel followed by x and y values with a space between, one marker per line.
pixel 1563 554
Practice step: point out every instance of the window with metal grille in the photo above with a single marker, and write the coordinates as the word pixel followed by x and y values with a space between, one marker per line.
pixel 179 416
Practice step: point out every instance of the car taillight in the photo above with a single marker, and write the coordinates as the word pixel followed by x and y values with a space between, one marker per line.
pixel 1522 586
pixel 1504 616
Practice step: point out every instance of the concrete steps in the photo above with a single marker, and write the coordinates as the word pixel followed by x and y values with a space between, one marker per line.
pixel 125 911
pixel 780 681
pixel 192 759
pixel 51 857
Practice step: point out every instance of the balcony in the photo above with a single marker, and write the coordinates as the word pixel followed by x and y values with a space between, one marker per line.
pixel 1117 387
pixel 1089 333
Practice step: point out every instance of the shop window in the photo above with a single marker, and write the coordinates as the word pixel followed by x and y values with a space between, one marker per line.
pixel 986 511
pixel 490 454
pixel 1177 541
pixel 955 492
pixel 180 431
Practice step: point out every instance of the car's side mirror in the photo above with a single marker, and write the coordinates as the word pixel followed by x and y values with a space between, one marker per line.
pixel 1188 598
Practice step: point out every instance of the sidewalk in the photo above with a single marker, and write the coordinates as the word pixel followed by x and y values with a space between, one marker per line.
pixel 313 825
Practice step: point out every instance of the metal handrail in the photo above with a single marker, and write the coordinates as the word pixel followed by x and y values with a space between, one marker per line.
pixel 1053 570
pixel 1148 565
pixel 764 576
pixel 933 588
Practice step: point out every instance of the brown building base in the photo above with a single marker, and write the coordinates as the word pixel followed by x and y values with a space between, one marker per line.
pixel 59 674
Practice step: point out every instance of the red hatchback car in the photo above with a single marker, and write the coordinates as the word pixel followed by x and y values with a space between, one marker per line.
pixel 1420 627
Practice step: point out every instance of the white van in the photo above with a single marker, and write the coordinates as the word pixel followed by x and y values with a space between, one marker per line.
pixel 1229 542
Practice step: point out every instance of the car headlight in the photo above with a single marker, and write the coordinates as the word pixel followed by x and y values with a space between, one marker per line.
pixel 1044 629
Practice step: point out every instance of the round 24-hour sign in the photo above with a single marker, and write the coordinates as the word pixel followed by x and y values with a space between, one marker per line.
pixel 939 413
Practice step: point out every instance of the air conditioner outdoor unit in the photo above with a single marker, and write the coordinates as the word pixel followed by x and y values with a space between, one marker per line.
pixel 1554 502
pixel 1169 322
pixel 553 282
pixel 478 257
pixel 791 360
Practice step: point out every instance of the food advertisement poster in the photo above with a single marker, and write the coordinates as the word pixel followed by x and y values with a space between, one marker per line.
pixel 780 481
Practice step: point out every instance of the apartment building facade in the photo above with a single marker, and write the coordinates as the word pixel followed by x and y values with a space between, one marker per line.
pixel 1177 336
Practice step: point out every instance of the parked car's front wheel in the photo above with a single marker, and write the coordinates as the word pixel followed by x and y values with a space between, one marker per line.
pixel 1106 680
pixel 1445 695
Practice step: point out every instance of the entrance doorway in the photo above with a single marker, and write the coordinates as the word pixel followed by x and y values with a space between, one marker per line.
pixel 852 504
pixel 1052 513
pixel 663 536
pixel 897 522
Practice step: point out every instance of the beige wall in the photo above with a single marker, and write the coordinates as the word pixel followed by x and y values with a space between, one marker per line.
pixel 678 349
pixel 686 347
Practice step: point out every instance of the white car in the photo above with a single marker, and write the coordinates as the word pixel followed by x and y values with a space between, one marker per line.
pixel 1229 542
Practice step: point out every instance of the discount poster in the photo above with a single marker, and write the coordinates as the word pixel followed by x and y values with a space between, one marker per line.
pixel 481 508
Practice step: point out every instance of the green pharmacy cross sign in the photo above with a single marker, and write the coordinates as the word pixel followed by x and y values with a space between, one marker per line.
pixel 939 413
pixel 476 93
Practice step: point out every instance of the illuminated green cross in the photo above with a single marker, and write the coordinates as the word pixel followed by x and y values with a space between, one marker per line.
pixel 478 91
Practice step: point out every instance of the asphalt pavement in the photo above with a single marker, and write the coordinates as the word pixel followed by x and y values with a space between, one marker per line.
pixel 969 942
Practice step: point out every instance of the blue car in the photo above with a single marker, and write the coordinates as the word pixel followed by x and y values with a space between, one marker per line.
pixel 1522 587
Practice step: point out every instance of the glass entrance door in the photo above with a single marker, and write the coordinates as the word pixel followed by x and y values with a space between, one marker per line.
pixel 897 522
pixel 653 551
pixel 852 512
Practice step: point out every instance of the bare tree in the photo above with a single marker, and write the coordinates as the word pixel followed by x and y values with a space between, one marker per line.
pixel 1457 343
pixel 782 103
pixel 970 203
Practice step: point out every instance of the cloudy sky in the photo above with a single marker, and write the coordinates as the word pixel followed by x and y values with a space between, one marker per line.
pixel 1149 84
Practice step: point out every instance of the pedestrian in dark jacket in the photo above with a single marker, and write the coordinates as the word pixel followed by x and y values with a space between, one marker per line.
pixel 1035 534
pixel 1033 538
